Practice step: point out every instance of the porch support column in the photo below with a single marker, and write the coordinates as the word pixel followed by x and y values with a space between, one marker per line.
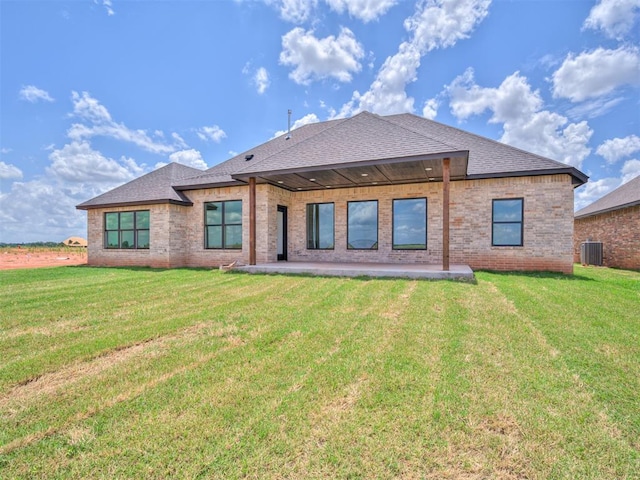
pixel 252 220
pixel 446 165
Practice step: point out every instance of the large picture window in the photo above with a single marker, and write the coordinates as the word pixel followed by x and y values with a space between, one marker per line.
pixel 223 224
pixel 362 225
pixel 410 224
pixel 126 229
pixel 320 230
pixel 507 222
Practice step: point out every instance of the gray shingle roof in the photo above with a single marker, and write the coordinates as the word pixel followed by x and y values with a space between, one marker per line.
pixel 624 196
pixel 154 187
pixel 365 137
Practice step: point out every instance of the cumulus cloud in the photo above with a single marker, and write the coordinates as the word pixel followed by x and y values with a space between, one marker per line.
pixel 430 109
pixel 78 162
pixel 615 18
pixel 261 80
pixel 321 58
pixel 617 148
pixel 33 94
pixel 596 73
pixel 435 24
pixel 9 172
pixel 90 110
pixel 365 10
pixel 307 119
pixel 190 158
pixel 294 11
pixel 630 170
pixel 213 133
pixel 520 111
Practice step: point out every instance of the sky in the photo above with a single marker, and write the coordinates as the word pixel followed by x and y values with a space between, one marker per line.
pixel 95 93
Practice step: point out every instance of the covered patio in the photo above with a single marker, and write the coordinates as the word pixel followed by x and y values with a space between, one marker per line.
pixel 375 270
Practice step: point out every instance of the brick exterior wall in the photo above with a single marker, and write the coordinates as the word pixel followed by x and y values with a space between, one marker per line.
pixel 619 232
pixel 177 232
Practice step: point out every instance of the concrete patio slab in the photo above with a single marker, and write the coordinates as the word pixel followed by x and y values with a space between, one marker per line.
pixel 430 272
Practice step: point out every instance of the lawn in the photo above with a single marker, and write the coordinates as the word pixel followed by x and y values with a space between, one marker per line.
pixel 141 373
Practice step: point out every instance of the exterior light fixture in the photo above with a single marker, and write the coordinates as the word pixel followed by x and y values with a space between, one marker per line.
pixel 364 174
pixel 312 179
pixel 428 169
pixel 280 182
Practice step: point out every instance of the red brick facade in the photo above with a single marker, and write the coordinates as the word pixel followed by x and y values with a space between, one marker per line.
pixel 619 232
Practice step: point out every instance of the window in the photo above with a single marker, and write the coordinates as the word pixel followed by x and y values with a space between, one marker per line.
pixel 507 222
pixel 410 224
pixel 320 233
pixel 362 225
pixel 223 224
pixel 126 229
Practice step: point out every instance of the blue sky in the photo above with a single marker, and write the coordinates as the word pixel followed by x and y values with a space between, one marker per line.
pixel 94 93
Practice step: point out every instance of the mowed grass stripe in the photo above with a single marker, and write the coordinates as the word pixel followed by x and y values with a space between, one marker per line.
pixel 299 377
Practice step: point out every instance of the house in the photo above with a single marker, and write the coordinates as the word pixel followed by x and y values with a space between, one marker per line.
pixel 75 242
pixel 613 220
pixel 396 189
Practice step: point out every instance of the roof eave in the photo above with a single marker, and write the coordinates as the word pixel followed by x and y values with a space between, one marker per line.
pixel 202 186
pixel 607 210
pixel 577 177
pixel 82 206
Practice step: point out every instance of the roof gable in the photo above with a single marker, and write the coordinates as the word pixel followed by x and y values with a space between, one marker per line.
pixel 154 187
pixel 624 196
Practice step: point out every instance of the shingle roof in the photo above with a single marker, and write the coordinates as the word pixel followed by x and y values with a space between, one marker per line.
pixel 627 195
pixel 154 187
pixel 365 137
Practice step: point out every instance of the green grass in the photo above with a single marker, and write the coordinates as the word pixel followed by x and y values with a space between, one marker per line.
pixel 141 373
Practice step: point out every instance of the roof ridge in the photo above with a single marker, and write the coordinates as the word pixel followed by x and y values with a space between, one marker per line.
pixel 386 119
pixel 295 144
pixel 482 137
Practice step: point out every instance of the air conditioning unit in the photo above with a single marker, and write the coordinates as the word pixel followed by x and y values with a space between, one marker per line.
pixel 591 253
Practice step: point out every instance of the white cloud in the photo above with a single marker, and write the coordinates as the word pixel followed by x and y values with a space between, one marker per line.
pixel 430 109
pixel 615 18
pixel 594 190
pixel 317 59
pixel 596 73
pixel 618 148
pixel 436 24
pixel 307 119
pixel 594 108
pixel 295 11
pixel 525 124
pixel 190 158
pixel 213 133
pixel 261 80
pixel 365 10
pixel 91 110
pixel 32 94
pixel 630 170
pixel 8 171
pixel 78 162
pixel 108 7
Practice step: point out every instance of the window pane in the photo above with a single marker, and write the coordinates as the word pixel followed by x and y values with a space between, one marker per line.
pixel 126 221
pixel 507 210
pixel 126 238
pixel 214 213
pixel 143 238
pixel 142 219
pixel 233 212
pixel 214 237
pixel 111 220
pixel 233 236
pixel 112 239
pixel 362 229
pixel 410 224
pixel 507 234
pixel 325 234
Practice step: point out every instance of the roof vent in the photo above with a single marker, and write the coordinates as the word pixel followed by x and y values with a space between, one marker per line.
pixel 248 157
pixel 289 125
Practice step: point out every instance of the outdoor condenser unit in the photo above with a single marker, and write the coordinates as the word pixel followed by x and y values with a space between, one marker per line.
pixel 591 253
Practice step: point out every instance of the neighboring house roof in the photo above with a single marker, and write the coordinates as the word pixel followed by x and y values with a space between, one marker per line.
pixel 154 187
pixel 366 149
pixel 626 195
pixel 75 242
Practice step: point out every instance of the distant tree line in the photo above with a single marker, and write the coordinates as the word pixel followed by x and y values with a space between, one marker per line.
pixel 32 244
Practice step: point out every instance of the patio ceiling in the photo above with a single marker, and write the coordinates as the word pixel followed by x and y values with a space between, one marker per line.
pixel 361 174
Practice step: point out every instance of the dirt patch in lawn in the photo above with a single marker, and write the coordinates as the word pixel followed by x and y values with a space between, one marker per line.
pixel 25 258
